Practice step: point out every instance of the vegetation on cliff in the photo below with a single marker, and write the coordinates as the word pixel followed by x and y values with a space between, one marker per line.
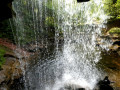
pixel 2 59
pixel 112 8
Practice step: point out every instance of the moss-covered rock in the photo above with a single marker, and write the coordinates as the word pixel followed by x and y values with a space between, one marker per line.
pixel 49 21
pixel 2 59
pixel 114 32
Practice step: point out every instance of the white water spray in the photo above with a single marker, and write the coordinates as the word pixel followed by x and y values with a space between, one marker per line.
pixel 80 24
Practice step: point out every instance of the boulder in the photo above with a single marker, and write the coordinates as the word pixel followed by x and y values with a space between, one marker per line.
pixel 105 84
pixel 2 76
pixel 72 86
pixel 114 47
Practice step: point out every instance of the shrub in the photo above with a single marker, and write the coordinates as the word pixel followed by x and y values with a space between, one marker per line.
pixel 112 8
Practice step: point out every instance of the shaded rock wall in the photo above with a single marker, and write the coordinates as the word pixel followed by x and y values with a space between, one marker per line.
pixel 82 1
pixel 5 9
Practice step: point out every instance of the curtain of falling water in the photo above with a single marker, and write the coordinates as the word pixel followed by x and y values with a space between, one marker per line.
pixel 80 24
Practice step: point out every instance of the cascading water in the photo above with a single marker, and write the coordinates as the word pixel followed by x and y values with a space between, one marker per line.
pixel 75 63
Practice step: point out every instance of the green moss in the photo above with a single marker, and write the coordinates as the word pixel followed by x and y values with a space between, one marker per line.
pixel 112 8
pixel 115 30
pixel 49 21
pixel 6 49
pixel 2 59
pixel 118 17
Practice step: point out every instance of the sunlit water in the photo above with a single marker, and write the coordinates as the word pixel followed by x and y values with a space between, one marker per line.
pixel 73 65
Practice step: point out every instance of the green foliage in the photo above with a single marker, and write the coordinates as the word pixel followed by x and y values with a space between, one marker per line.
pixel 49 21
pixel 49 4
pixel 2 59
pixel 117 5
pixel 115 30
pixel 112 8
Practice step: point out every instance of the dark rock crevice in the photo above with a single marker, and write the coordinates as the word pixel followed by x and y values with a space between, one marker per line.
pixel 6 9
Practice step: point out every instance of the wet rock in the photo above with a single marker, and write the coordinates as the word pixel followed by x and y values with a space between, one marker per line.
pixel 118 53
pixel 105 36
pixel 110 63
pixel 4 87
pixel 33 47
pixel 114 47
pixel 18 84
pixel 116 43
pixel 114 34
pixel 12 68
pixel 11 55
pixel 14 65
pixel 105 84
pixel 2 76
pixel 70 86
pixel 110 39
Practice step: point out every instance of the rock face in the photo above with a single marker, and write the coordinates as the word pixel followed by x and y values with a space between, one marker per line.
pixel 11 69
pixel 114 34
pixel 16 61
pixel 111 39
pixel 5 9
pixel 14 65
pixel 82 0
pixel 72 87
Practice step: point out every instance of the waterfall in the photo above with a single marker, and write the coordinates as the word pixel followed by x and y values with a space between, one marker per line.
pixel 77 25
